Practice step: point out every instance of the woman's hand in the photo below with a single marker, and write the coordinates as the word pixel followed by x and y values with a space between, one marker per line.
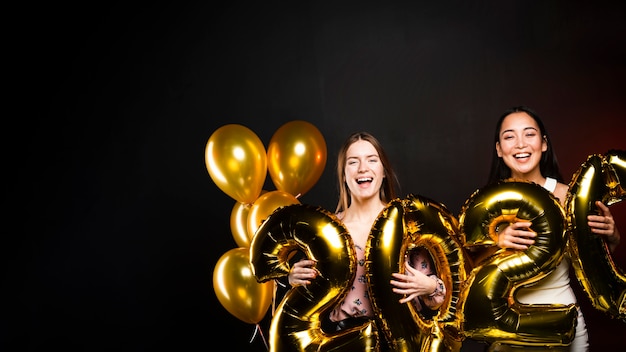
pixel 302 272
pixel 413 284
pixel 604 225
pixel 517 235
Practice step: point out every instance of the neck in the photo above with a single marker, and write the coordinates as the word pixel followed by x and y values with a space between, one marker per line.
pixel 535 177
pixel 364 210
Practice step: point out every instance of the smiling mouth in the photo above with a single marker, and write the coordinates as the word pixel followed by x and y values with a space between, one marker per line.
pixel 364 179
pixel 521 155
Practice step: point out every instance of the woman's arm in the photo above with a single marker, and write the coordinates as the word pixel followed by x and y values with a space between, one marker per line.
pixel 414 284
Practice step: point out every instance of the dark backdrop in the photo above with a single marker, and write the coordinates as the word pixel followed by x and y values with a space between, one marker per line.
pixel 117 223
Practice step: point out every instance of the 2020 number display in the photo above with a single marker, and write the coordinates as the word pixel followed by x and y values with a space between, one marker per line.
pixel 481 279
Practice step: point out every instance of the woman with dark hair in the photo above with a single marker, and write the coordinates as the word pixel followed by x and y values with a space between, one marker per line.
pixel 523 151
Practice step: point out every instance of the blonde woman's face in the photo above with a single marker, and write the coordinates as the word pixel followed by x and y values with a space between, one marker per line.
pixel 364 170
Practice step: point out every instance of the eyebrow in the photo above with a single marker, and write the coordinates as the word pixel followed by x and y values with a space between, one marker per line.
pixel 524 129
pixel 367 156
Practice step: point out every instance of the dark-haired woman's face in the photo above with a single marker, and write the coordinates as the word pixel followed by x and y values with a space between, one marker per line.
pixel 520 144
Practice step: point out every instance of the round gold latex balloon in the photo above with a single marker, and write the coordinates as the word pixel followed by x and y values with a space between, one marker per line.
pixel 487 308
pixel 603 178
pixel 296 157
pixel 237 162
pixel 239 224
pixel 402 226
pixel 296 324
pixel 266 204
pixel 238 290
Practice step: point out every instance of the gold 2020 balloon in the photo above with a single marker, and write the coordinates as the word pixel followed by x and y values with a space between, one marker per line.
pixel 296 324
pixel 603 178
pixel 238 290
pixel 237 162
pixel 488 309
pixel 296 157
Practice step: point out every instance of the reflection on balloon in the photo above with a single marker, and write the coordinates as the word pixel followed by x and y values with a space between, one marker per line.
pixel 487 309
pixel 603 178
pixel 296 157
pixel 239 224
pixel 296 324
pixel 237 162
pixel 265 205
pixel 238 290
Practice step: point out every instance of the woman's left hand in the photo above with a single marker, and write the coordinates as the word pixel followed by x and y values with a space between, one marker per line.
pixel 604 225
pixel 413 284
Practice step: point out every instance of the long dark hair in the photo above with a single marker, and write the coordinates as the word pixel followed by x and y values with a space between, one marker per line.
pixel 548 165
pixel 390 183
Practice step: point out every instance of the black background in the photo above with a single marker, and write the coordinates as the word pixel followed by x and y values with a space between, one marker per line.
pixel 117 224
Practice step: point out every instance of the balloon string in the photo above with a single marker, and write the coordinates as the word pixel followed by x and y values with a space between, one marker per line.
pixel 276 284
pixel 258 329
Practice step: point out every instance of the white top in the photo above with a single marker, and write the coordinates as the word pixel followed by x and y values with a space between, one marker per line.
pixel 550 184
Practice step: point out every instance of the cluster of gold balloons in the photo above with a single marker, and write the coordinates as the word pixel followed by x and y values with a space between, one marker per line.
pixel 238 164
pixel 481 278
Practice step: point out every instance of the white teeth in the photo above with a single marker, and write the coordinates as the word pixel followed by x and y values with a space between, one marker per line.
pixel 364 179
pixel 522 155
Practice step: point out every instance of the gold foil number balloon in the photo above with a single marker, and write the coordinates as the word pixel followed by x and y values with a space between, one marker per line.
pixel 487 308
pixel 237 162
pixel 402 226
pixel 296 324
pixel 296 157
pixel 600 178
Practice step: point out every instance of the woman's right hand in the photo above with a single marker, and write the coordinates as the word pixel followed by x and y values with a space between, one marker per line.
pixel 302 272
pixel 517 235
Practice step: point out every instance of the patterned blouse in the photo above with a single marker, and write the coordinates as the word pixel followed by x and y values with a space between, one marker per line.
pixel 357 302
